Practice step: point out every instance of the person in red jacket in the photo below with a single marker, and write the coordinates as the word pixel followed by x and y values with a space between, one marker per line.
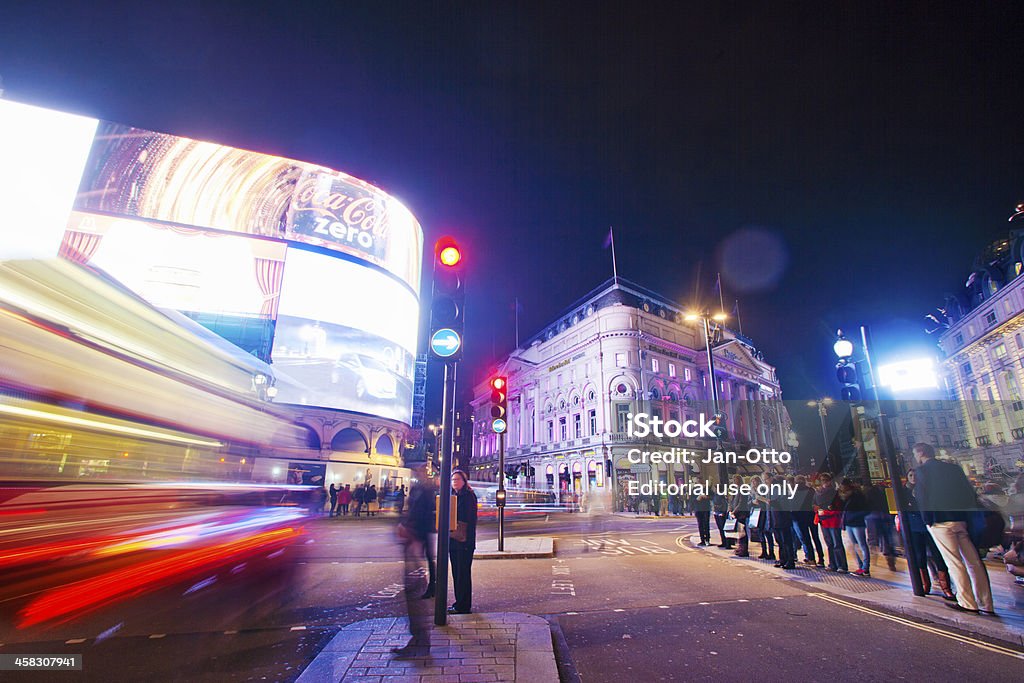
pixel 344 498
pixel 829 508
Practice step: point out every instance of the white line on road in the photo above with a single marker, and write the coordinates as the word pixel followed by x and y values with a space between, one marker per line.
pixel 74 641
pixel 998 649
pixel 155 636
pixel 297 628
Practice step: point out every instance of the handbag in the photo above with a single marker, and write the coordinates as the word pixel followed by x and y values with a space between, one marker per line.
pixel 731 524
pixel 754 521
pixel 461 532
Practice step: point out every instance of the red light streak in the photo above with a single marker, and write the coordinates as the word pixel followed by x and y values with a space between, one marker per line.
pixel 89 594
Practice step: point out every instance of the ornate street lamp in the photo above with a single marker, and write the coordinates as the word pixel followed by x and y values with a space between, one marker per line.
pixel 705 318
pixel 822 404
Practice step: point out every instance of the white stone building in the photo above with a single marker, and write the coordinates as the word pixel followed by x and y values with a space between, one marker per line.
pixel 621 349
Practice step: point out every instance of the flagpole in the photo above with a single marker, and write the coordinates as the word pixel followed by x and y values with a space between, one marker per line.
pixel 721 299
pixel 615 268
pixel 739 321
pixel 517 322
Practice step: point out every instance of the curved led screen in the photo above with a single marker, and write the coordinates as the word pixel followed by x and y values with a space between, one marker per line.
pixel 337 345
pixel 304 266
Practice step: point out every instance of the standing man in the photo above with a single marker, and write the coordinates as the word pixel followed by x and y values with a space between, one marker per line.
pixel 462 543
pixel 946 498
pixel 702 510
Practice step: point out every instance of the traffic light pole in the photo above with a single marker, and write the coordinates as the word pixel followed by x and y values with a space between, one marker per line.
pixel 444 489
pixel 501 492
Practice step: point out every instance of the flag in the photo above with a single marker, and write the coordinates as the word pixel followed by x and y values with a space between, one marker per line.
pixel 608 239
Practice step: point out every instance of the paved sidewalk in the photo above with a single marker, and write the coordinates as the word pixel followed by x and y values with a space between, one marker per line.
pixel 472 648
pixel 515 547
pixel 891 591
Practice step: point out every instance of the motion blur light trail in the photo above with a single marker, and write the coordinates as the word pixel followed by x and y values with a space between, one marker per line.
pixel 67 602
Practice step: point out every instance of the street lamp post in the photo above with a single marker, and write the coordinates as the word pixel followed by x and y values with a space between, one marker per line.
pixel 844 350
pixel 822 404
pixel 705 318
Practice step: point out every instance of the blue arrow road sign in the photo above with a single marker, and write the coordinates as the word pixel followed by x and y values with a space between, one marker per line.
pixel 445 342
pixel 499 426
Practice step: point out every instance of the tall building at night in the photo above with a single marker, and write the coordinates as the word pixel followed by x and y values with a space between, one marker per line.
pixel 622 349
pixel 983 344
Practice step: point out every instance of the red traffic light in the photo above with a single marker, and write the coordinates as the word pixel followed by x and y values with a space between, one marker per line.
pixel 448 252
pixel 498 383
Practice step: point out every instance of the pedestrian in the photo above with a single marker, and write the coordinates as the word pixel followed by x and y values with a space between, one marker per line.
pixel 880 521
pixel 359 497
pixel 720 504
pixel 462 544
pixel 947 499
pixel 855 516
pixel 803 517
pixel 739 508
pixel 925 551
pixel 370 498
pixel 759 509
pixel 334 499
pixel 400 499
pixel 414 533
pixel 780 518
pixel 829 508
pixel 702 510
pixel 344 499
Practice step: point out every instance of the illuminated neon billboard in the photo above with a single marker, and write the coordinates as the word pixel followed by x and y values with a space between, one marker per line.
pixel 254 246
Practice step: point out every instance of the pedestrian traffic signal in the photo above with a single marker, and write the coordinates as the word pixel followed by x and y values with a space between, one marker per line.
pixel 499 404
pixel 846 373
pixel 448 299
pixel 718 428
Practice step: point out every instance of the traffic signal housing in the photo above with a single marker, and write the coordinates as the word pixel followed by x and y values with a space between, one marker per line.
pixel 846 373
pixel 719 428
pixel 499 404
pixel 448 300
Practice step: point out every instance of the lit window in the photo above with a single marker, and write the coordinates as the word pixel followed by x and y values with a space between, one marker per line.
pixel 654 365
pixel 686 374
pixel 999 351
pixel 671 369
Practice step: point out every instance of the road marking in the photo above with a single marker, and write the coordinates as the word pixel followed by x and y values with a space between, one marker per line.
pixel 74 641
pixel 703 603
pixel 155 636
pixel 681 542
pixel 743 601
pixel 230 633
pixel 998 649
pixel 777 598
pixel 662 606
pixel 297 628
pixel 619 610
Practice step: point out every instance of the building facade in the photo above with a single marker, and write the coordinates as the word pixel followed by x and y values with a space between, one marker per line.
pixel 621 350
pixel 983 345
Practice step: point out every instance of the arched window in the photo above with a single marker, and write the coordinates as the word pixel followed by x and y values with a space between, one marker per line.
pixel 384 445
pixel 349 440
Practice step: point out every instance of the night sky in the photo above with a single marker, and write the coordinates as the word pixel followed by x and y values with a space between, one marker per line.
pixel 838 165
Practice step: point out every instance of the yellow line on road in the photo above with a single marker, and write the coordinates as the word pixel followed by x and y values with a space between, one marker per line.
pixel 998 649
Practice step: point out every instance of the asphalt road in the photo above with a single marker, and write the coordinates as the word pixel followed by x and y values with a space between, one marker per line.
pixel 631 598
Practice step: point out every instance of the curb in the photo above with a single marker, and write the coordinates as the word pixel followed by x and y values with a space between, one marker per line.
pixel 894 599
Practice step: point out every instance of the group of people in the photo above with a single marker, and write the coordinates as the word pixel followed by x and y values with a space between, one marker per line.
pixel 942 509
pixel 363 499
